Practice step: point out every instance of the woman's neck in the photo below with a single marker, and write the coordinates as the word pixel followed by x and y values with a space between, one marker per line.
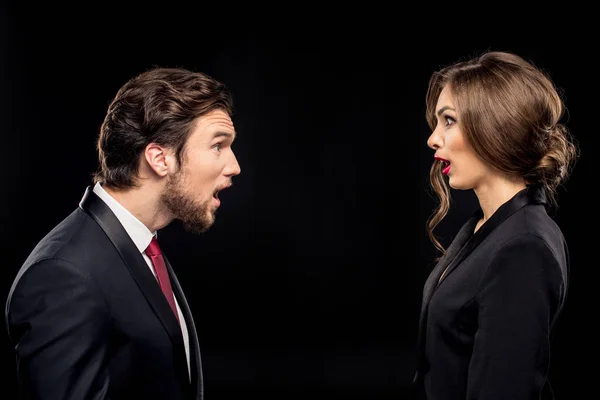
pixel 495 192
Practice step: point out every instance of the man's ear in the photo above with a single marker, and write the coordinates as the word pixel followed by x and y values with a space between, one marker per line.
pixel 159 159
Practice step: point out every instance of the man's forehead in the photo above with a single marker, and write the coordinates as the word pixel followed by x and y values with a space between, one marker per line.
pixel 214 123
pixel 216 117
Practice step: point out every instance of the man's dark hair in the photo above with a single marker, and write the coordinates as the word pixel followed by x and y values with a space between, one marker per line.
pixel 158 106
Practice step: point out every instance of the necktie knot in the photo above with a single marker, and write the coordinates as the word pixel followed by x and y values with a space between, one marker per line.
pixel 153 248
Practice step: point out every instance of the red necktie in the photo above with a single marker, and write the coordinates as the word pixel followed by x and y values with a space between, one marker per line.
pixel 153 251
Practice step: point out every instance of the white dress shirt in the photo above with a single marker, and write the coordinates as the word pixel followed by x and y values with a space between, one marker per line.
pixel 141 237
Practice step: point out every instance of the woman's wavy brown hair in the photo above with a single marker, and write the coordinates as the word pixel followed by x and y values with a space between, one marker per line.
pixel 510 113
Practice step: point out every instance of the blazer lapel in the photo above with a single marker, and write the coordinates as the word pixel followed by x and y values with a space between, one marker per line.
pixel 138 268
pixel 530 195
pixel 431 283
pixel 197 383
pixel 455 247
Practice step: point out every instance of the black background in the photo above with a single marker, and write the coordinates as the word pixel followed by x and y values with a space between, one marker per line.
pixel 309 283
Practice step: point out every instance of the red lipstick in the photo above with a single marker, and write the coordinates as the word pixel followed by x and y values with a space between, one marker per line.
pixel 446 165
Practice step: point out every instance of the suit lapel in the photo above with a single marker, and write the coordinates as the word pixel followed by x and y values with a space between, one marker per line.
pixel 455 247
pixel 431 283
pixel 530 195
pixel 195 361
pixel 139 270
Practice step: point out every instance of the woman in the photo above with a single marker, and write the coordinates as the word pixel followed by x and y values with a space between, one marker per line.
pixel 490 304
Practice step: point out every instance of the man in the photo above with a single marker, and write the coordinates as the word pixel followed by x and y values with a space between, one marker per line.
pixel 96 311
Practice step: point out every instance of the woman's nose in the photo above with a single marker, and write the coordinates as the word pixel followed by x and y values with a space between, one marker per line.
pixel 434 140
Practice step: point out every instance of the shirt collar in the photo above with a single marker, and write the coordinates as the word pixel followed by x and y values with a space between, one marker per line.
pixel 139 233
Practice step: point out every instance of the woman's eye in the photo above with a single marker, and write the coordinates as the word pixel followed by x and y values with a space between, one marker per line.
pixel 449 120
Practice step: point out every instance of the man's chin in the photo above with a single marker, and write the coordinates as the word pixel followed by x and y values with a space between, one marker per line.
pixel 197 226
pixel 193 228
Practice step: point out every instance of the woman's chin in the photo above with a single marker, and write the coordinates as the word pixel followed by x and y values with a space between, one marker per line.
pixel 457 185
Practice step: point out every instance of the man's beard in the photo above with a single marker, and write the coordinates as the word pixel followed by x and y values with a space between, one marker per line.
pixel 195 216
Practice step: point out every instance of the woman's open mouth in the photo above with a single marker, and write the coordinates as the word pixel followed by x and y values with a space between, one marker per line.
pixel 445 165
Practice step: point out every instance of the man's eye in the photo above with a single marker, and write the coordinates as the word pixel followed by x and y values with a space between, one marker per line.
pixel 217 146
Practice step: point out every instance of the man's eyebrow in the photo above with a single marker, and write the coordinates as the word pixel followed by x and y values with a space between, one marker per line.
pixel 441 110
pixel 228 135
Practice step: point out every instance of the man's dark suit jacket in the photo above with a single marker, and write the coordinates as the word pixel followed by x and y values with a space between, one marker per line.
pixel 485 328
pixel 89 321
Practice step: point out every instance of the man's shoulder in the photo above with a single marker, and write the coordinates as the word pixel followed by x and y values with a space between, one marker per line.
pixel 75 234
